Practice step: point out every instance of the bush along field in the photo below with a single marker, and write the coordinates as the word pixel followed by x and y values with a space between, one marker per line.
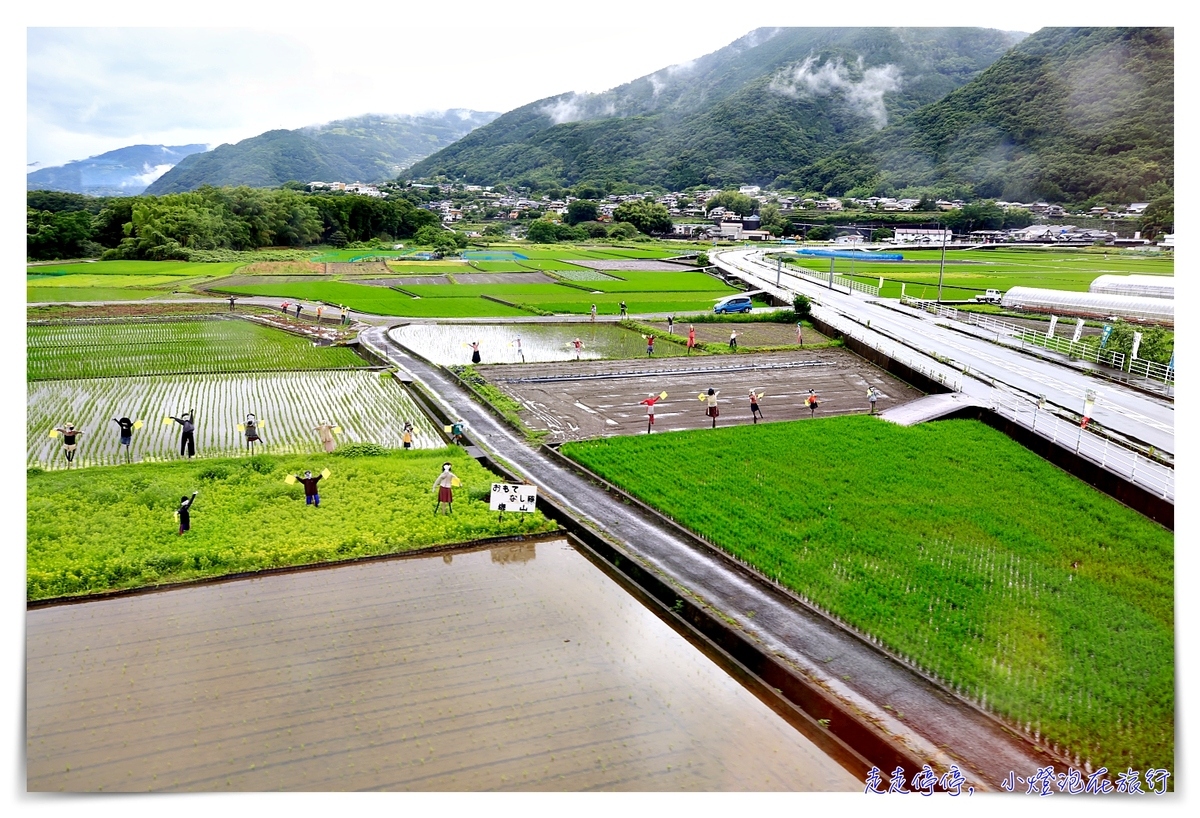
pixel 1014 584
pixel 114 527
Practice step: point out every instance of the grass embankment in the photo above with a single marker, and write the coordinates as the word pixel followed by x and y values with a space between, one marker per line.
pixel 61 351
pixel 1010 580
pixel 114 527
pixel 508 408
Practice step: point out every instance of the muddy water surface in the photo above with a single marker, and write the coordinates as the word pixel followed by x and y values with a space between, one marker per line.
pixel 447 344
pixel 523 668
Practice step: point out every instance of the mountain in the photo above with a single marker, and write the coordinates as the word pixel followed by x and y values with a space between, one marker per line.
pixel 364 149
pixel 123 172
pixel 1068 114
pixel 758 108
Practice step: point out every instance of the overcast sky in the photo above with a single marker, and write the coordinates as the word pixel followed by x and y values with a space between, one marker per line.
pixel 93 89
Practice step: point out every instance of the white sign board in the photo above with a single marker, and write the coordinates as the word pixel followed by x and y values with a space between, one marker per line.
pixel 513 497
pixel 1050 329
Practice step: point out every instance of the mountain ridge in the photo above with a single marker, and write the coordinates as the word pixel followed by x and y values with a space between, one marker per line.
pixel 368 148
pixel 715 119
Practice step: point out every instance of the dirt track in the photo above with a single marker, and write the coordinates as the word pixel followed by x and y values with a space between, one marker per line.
pixel 601 398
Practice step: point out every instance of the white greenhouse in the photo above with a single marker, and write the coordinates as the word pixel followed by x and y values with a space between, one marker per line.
pixel 1151 286
pixel 1091 305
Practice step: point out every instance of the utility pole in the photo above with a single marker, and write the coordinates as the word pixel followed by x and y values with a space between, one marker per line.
pixel 942 266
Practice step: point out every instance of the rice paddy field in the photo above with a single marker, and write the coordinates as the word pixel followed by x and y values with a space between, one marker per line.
pixel 368 406
pixel 115 280
pixel 114 527
pixel 970 272
pixel 105 349
pixel 1039 598
pixel 643 291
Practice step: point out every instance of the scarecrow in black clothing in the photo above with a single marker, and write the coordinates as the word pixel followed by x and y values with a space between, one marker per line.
pixel 69 434
pixel 187 439
pixel 311 496
pixel 184 512
pixel 127 426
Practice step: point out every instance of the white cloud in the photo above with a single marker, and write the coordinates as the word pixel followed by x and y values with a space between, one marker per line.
pixel 865 96
pixel 150 174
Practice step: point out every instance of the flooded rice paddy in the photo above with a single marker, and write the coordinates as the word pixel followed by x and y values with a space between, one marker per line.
pixel 366 406
pixel 448 344
pixel 522 667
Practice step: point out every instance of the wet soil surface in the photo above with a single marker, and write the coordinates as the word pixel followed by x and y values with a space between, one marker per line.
pixel 518 668
pixel 584 399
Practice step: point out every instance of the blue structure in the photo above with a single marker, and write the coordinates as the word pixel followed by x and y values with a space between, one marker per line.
pixel 494 255
pixel 858 255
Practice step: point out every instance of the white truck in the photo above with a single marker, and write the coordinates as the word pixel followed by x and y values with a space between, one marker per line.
pixel 989 297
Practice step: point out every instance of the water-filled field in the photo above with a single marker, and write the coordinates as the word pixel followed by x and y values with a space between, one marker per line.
pixel 449 344
pixel 522 667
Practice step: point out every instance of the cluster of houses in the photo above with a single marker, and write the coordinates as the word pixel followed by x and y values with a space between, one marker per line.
pixel 693 220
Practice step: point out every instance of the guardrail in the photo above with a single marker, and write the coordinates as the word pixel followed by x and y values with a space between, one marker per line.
pixel 1152 475
pixel 1151 371
pixel 838 281
pixel 1072 349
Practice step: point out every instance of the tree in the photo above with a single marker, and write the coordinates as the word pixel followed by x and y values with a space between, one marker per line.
pixel 1158 218
pixel 542 232
pixel 648 217
pixel 773 220
pixel 732 201
pixel 822 232
pixel 802 306
pixel 622 230
pixel 882 233
pixel 496 230
pixel 581 211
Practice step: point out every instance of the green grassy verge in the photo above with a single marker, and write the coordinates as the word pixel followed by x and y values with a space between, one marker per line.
pixel 114 527
pixel 62 351
pixel 498 400
pixel 1016 584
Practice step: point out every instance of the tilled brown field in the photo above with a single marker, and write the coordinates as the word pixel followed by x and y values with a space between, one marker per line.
pixel 578 400
pixel 519 668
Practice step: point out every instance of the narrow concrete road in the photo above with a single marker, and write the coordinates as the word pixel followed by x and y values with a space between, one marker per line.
pixel 935 725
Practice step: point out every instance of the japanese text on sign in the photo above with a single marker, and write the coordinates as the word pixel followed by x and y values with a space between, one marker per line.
pixel 513 497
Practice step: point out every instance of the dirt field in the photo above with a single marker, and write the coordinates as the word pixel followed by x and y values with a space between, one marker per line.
pixel 575 401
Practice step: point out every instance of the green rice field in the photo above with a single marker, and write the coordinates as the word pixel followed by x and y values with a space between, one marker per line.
pixel 970 272
pixel 110 528
pixel 58 351
pixel 1015 584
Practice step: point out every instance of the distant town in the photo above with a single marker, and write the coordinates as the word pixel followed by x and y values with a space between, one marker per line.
pixel 469 204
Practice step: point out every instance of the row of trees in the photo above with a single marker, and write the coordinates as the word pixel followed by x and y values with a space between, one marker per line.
pixel 241 218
